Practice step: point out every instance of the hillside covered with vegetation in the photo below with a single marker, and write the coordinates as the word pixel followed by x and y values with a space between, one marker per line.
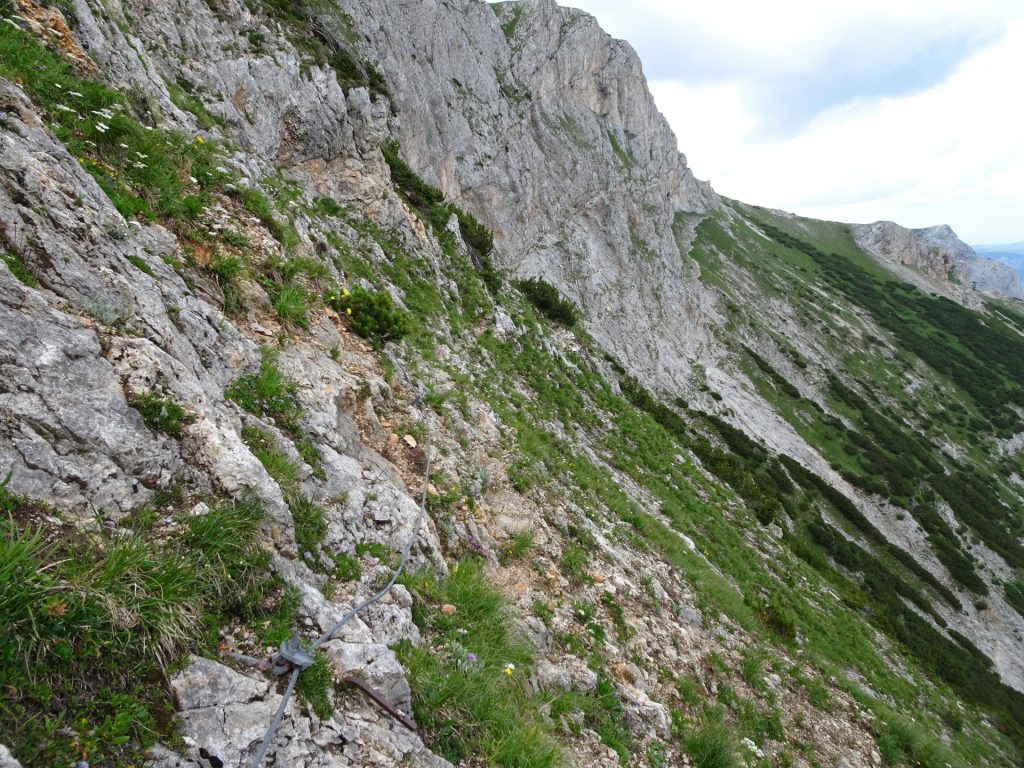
pixel 231 368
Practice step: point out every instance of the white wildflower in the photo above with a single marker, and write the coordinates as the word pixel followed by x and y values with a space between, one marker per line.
pixel 75 93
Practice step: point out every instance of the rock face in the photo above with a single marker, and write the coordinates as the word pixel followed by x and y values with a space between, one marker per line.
pixel 985 275
pixel 932 264
pixel 991 276
pixel 939 261
pixel 535 119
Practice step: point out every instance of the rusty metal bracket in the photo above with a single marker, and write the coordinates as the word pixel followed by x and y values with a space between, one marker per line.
pixel 386 705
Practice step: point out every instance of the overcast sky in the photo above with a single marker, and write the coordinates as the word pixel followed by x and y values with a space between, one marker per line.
pixel 855 111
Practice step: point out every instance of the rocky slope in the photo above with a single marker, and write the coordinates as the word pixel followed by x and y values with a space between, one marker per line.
pixel 183 248
pixel 933 264
pixel 543 126
pixel 939 261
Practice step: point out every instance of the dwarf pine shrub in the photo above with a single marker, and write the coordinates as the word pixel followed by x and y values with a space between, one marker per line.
pixel 371 314
pixel 548 301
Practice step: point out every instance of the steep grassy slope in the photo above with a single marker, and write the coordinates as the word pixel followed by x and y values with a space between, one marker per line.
pixel 701 593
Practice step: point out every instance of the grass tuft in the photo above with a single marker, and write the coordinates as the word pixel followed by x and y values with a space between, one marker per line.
pixel 162 415
pixel 269 393
pixel 291 302
pixel 712 747
pixel 470 683
pixel 87 623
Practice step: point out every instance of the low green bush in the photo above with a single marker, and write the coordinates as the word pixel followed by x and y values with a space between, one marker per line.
pixel 548 301
pixel 371 314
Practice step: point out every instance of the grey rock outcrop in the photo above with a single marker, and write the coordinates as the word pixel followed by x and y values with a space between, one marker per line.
pixel 224 715
pixel 930 265
pixel 536 120
pixel 942 238
pixel 991 276
pixel 984 274
pixel 935 259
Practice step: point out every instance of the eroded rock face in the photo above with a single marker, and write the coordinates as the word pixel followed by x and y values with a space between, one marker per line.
pixel 536 120
pixel 986 275
pixel 938 261
pixel 932 266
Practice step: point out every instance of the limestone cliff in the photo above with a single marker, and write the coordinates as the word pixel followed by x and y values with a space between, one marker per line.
pixel 533 117
pixel 939 261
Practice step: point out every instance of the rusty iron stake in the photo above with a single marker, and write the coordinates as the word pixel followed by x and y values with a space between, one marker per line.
pixel 386 705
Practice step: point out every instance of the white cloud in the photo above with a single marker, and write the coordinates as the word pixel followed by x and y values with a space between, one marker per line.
pixel 941 146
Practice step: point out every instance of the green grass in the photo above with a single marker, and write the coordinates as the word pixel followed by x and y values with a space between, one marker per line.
pixel 187 102
pixel 161 415
pixel 291 302
pixel 573 564
pixel 285 471
pixel 259 205
pixel 150 178
pixel 462 695
pixel 87 623
pixel 602 713
pixel 310 523
pixel 18 269
pixel 314 684
pixel 139 263
pixel 713 746
pixel 518 547
pixel 346 567
pixel 229 270
pixel 269 393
